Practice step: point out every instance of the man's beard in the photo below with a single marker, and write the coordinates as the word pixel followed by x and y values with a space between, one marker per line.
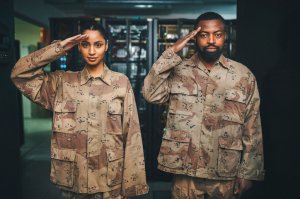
pixel 209 56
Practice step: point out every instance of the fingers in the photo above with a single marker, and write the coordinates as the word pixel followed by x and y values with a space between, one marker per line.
pixel 78 38
pixel 72 41
pixel 184 40
pixel 236 189
pixel 193 33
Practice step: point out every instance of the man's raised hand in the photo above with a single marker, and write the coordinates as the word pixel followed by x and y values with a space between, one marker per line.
pixel 179 45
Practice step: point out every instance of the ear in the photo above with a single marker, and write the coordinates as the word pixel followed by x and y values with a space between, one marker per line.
pixel 78 46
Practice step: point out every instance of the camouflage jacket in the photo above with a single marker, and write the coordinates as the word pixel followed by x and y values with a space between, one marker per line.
pixel 96 144
pixel 213 125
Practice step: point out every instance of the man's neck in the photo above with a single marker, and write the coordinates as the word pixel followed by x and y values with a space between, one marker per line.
pixel 208 65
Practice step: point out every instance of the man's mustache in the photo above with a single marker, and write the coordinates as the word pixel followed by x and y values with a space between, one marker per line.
pixel 211 45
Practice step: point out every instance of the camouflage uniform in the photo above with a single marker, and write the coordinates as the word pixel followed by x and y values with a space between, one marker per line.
pixel 213 128
pixel 96 144
pixel 186 187
pixel 114 194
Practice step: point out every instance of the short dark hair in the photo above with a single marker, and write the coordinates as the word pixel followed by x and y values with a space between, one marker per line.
pixel 93 25
pixel 209 16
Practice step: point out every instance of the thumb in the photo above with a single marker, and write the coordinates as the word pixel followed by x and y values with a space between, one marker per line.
pixel 236 189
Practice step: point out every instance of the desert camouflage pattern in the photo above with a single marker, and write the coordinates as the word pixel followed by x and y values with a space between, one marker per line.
pixel 213 125
pixel 186 187
pixel 96 144
pixel 114 194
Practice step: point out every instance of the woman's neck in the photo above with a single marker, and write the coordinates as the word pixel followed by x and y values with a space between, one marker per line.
pixel 96 71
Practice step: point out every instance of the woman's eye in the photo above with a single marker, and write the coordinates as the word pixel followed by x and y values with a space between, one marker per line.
pixel 98 45
pixel 84 45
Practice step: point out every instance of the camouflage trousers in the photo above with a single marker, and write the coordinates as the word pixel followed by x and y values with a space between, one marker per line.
pixel 186 187
pixel 114 194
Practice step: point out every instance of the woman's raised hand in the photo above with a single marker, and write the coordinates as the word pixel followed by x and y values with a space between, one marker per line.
pixel 70 42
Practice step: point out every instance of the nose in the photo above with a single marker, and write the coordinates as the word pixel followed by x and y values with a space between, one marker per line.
pixel 91 50
pixel 211 39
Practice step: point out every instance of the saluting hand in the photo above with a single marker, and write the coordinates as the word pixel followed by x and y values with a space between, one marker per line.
pixel 184 40
pixel 70 42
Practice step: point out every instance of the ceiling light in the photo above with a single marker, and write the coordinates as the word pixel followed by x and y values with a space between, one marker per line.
pixel 143 6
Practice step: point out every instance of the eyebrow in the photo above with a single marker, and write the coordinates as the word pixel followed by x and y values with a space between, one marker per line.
pixel 213 32
pixel 94 42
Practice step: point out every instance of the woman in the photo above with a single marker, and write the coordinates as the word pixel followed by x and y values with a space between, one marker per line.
pixel 96 146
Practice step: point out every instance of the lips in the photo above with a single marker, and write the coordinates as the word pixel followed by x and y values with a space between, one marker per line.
pixel 211 49
pixel 92 59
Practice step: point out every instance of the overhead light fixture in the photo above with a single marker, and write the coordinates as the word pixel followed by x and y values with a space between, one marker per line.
pixel 143 6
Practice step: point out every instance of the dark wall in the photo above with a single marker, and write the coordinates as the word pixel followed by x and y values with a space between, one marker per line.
pixel 268 38
pixel 9 129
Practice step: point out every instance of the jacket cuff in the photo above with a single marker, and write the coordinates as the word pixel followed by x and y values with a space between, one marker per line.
pixel 58 47
pixel 168 54
pixel 136 190
pixel 167 61
pixel 252 175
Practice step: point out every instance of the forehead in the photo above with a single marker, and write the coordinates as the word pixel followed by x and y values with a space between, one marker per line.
pixel 93 35
pixel 211 25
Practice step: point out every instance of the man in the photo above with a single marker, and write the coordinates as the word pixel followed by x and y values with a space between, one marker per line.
pixel 213 139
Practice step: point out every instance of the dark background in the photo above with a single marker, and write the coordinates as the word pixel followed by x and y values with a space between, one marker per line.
pixel 268 35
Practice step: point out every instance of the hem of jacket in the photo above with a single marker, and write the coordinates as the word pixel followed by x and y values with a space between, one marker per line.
pixel 139 190
pixel 86 192
pixel 198 174
pixel 258 176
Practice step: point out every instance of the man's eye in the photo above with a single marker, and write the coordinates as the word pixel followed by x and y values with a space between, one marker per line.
pixel 218 35
pixel 203 35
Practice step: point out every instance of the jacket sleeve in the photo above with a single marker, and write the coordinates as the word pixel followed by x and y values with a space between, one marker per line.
pixel 134 175
pixel 252 165
pixel 156 84
pixel 29 77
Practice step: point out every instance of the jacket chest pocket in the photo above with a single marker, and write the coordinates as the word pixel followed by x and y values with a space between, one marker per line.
pixel 64 118
pixel 114 117
pixel 182 108
pixel 229 156
pixel 180 120
pixel 62 166
pixel 174 149
pixel 234 106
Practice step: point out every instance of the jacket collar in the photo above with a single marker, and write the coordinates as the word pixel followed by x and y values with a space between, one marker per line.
pixel 105 76
pixel 195 61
